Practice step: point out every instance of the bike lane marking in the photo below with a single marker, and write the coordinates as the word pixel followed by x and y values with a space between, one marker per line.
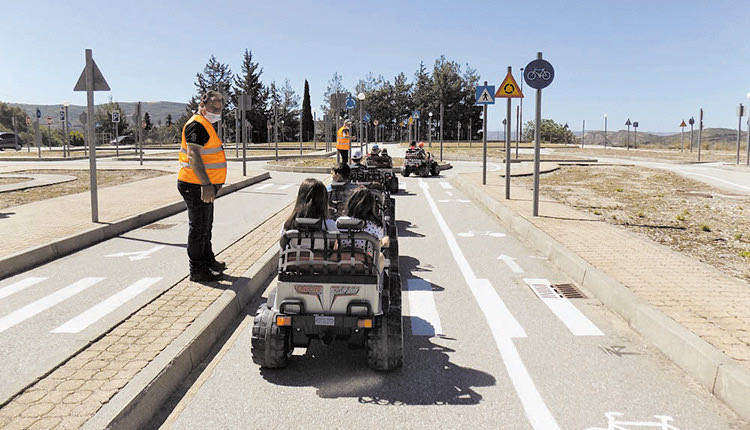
pixel 503 325
pixel 19 286
pixel 422 305
pixel 263 187
pixel 46 302
pixel 565 311
pixel 100 310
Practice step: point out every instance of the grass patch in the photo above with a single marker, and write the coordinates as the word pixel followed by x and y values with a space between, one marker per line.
pixel 704 227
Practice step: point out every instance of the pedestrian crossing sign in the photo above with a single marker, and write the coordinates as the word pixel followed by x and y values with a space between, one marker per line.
pixel 484 95
pixel 509 88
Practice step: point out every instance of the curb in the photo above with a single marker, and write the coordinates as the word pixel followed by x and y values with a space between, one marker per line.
pixel 140 400
pixel 714 370
pixel 302 169
pixel 27 259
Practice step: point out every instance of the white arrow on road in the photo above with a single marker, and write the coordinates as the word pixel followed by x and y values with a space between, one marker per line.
pixel 511 262
pixel 138 255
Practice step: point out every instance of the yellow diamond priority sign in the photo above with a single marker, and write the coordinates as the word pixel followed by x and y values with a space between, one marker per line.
pixel 509 88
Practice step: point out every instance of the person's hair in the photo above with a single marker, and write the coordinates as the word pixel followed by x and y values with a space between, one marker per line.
pixel 212 96
pixel 413 143
pixel 343 170
pixel 312 202
pixel 384 151
pixel 361 205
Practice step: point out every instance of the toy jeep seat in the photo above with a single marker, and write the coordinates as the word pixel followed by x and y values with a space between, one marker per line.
pixel 310 250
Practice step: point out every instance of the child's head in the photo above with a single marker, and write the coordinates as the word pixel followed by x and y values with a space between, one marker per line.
pixel 312 202
pixel 340 172
pixel 362 204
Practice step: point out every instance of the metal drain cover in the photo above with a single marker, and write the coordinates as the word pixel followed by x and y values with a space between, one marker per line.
pixel 157 226
pixel 569 291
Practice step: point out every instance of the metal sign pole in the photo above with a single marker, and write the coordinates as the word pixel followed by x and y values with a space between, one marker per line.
pixel 38 138
pixel 441 135
pixel 139 127
pixel 300 133
pixel 117 142
pixel 583 133
pixel 507 150
pixel 518 126
pixel 747 148
pixel 740 113
pixel 67 134
pixel 91 135
pixel 276 130
pixel 700 135
pixel 15 133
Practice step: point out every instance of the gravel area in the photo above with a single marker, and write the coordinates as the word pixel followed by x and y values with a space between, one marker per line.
pixel 686 215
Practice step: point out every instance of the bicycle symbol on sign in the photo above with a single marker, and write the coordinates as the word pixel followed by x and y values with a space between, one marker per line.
pixel 539 73
pixel 613 424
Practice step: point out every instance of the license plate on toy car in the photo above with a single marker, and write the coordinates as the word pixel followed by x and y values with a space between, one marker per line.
pixel 325 320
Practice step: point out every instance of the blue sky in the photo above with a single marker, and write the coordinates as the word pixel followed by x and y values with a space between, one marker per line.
pixel 655 62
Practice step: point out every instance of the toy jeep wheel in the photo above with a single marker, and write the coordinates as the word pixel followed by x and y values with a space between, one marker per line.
pixel 394 185
pixel 435 169
pixel 270 343
pixel 385 342
pixel 394 291
pixel 406 172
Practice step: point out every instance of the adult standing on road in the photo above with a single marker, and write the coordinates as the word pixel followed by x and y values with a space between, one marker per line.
pixel 202 173
pixel 342 141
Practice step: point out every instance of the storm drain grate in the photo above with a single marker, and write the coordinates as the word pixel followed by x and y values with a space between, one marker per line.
pixel 157 226
pixel 569 291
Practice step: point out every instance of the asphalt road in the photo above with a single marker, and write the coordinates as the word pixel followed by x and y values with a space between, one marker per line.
pixel 54 310
pixel 485 347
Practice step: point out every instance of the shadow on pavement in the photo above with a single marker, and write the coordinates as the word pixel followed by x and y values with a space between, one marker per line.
pixel 427 378
pixel 6 214
pixel 403 229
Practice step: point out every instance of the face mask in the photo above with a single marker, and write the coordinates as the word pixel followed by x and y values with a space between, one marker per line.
pixel 212 117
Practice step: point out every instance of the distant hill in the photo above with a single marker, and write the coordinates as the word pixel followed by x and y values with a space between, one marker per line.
pixel 157 110
pixel 713 138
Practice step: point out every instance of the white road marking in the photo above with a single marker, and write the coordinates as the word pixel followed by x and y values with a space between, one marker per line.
pixel 137 255
pixel 450 194
pixel 18 286
pixel 446 185
pixel 287 186
pixel 466 234
pixel 422 305
pixel 573 319
pixel 263 187
pixel 98 311
pixel 504 328
pixel 45 303
pixel 454 200
pixel 402 185
pixel 511 262
pixel 718 179
pixel 485 233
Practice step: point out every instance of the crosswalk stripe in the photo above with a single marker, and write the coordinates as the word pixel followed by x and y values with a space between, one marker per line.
pixel 18 286
pixel 422 305
pixel 263 187
pixel 45 303
pixel 573 319
pixel 103 308
pixel 446 185
pixel 287 186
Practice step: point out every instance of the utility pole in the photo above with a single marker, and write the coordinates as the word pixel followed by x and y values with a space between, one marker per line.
pixel 441 132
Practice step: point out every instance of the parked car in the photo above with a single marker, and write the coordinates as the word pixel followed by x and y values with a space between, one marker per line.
pixel 10 141
pixel 128 139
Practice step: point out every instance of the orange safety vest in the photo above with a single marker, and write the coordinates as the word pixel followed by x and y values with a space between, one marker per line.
pixel 342 138
pixel 212 155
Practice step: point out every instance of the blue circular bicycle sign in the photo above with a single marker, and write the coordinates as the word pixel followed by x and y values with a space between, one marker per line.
pixel 538 74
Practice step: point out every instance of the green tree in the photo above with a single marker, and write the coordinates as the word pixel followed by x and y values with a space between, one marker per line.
pixel 147 120
pixel 169 120
pixel 103 116
pixel 248 82
pixel 7 113
pixel 215 76
pixel 290 111
pixel 550 132
pixel 307 119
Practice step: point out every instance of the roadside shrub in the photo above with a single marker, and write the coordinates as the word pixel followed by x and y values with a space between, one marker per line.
pixel 704 227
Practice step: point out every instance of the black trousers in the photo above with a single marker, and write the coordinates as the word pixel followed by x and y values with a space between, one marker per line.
pixel 200 222
pixel 344 155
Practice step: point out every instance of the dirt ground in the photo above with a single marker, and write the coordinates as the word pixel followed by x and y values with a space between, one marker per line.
pixel 324 162
pixel 34 154
pixel 104 178
pixel 688 216
pixel 707 155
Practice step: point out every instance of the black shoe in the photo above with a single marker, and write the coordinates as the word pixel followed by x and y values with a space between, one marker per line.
pixel 205 276
pixel 217 266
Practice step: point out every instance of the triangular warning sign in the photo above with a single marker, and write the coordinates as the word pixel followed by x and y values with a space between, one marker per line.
pixel 486 97
pixel 509 89
pixel 682 124
pixel 100 84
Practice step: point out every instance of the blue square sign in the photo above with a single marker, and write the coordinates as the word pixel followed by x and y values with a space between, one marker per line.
pixel 485 95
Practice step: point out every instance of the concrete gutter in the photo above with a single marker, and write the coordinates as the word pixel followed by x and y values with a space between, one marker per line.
pixel 717 372
pixel 140 400
pixel 27 259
